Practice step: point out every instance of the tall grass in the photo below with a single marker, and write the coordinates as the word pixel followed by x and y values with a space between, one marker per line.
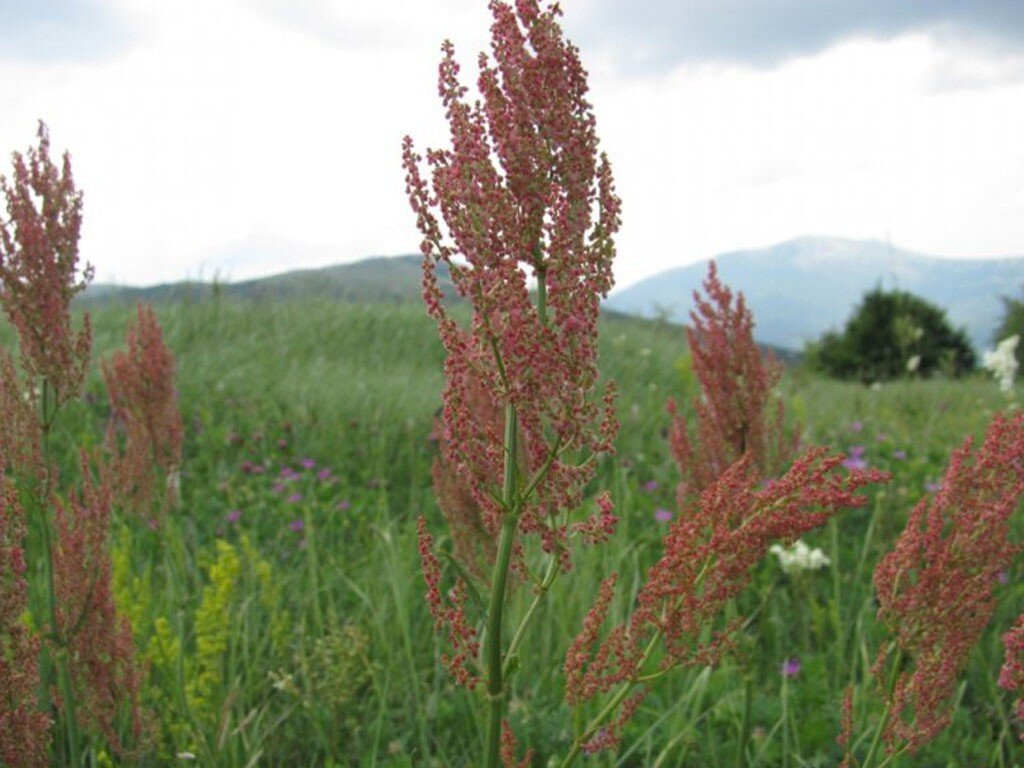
pixel 313 580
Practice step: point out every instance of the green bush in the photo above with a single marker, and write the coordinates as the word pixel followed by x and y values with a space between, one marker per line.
pixel 893 334
pixel 1012 323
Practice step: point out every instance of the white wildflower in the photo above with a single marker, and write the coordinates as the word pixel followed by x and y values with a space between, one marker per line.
pixel 799 557
pixel 913 364
pixel 1002 361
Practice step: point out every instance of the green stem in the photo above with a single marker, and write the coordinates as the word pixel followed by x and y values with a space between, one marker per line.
pixel 542 590
pixel 884 721
pixel 741 747
pixel 60 656
pixel 493 653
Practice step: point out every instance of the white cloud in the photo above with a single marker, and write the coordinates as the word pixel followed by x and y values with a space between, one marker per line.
pixel 229 125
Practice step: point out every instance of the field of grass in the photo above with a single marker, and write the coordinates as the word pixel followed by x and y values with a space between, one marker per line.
pixel 281 608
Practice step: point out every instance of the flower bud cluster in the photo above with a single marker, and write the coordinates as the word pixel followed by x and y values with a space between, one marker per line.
pixel 799 557
pixel 1002 361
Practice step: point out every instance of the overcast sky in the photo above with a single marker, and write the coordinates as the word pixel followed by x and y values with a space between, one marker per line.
pixel 245 137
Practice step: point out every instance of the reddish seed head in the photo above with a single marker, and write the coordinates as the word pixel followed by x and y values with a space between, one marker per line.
pixel 144 405
pixel 734 416
pixel 24 729
pixel 39 269
pixel 935 588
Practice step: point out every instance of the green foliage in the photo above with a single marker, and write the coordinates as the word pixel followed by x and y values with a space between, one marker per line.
pixel 330 658
pixel 893 334
pixel 1012 323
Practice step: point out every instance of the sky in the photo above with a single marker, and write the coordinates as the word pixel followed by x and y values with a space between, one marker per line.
pixel 240 138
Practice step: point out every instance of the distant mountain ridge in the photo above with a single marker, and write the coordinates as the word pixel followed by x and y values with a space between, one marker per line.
pixel 376 279
pixel 797 290
pixel 801 288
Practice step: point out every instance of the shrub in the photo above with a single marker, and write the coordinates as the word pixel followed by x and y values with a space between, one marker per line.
pixel 893 334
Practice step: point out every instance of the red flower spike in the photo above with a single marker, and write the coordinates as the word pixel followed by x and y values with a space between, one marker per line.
pixel 24 728
pixel 733 415
pixel 104 671
pixel 144 406
pixel 708 555
pixel 522 193
pixel 955 543
pixel 39 273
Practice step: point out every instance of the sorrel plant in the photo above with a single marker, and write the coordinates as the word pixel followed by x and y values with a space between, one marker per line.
pixel 523 193
pixel 74 665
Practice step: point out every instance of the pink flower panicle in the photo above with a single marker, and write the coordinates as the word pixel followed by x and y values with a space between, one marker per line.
pixel 522 191
pixel 24 728
pixel 448 612
pixel 1011 676
pixel 707 560
pixel 39 269
pixel 935 588
pixel 508 749
pixel 144 405
pixel 733 415
pixel 106 676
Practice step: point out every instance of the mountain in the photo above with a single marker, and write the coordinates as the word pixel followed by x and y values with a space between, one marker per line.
pixel 378 279
pixel 801 288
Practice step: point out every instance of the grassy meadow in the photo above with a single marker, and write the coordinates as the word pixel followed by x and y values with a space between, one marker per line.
pixel 281 608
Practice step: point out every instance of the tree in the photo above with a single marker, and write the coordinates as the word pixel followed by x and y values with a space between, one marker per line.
pixel 893 334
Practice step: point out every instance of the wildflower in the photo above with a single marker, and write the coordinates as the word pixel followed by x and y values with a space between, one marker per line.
pixel 24 728
pixel 295 498
pixel 662 515
pixel 307 463
pixel 1011 675
pixel 246 467
pixel 913 363
pixel 791 667
pixel 856 426
pixel 855 459
pixel 343 505
pixel 1002 362
pixel 800 557
pixel 708 554
pixel 935 588
pixel 899 455
pixel 324 474
pixel 278 488
pixel 233 516
pixel 286 473
pixel 105 673
pixel 297 525
pixel 733 415
pixel 932 487
pixel 650 486
pixel 39 271
pixel 144 401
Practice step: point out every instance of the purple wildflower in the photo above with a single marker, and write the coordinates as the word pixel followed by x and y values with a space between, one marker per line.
pixel 856 426
pixel 650 486
pixel 932 487
pixel 296 525
pixel 343 505
pixel 791 667
pixel 287 472
pixel 233 516
pixel 662 515
pixel 295 498
pixel 278 488
pixel 324 474
pixel 899 455
pixel 307 463
pixel 247 467
pixel 258 469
